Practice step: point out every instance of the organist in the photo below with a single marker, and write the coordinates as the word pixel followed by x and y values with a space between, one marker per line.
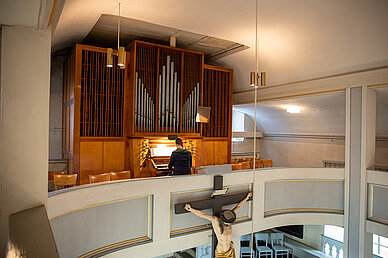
pixel 180 160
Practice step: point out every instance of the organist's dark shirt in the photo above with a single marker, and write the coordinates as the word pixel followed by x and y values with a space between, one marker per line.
pixel 181 161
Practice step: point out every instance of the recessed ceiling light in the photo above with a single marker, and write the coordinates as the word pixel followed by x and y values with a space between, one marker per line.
pixel 293 109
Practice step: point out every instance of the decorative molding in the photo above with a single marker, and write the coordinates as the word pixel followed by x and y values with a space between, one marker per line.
pixel 374 77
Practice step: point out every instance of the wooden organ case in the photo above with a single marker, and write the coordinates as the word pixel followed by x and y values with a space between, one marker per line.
pixel 113 117
pixel 93 113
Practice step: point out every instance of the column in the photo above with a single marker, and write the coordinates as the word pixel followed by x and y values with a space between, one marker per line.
pixel 24 121
pixel 360 142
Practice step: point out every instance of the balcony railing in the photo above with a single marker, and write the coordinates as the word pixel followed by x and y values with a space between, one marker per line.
pixel 332 247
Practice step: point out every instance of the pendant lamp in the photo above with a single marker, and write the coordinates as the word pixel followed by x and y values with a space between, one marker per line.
pixel 121 50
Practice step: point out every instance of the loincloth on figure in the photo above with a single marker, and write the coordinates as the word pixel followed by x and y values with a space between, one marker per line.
pixel 228 254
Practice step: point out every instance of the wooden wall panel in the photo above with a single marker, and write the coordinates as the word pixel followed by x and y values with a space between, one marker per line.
pixel 221 152
pixel 214 152
pixel 207 153
pixel 113 156
pixel 91 154
pixel 132 155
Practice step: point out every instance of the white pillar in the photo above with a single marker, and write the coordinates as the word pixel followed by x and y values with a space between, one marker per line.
pixel 360 148
pixel 368 147
pixel 24 121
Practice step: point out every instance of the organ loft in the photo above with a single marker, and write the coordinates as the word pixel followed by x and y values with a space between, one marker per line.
pixel 121 118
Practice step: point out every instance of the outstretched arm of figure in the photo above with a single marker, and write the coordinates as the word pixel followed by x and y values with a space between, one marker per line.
pixel 199 213
pixel 240 204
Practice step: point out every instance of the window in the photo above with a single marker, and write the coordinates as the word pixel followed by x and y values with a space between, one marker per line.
pixel 334 232
pixel 380 246
pixel 237 121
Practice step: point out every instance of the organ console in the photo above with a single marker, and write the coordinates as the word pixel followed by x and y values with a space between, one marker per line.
pixel 116 119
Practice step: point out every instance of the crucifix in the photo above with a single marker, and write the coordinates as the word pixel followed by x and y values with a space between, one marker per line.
pixel 221 219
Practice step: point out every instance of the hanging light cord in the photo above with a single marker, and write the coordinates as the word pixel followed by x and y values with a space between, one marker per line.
pixel 118 30
pixel 255 126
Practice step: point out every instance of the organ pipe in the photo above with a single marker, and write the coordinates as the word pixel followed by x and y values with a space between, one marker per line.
pixel 190 108
pixel 163 98
pixel 175 102
pixel 144 107
pixel 178 106
pixel 167 91
pixel 136 100
pixel 160 102
pixel 196 108
pixel 171 95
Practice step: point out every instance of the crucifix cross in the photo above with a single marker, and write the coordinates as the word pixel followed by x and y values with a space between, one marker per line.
pixel 216 202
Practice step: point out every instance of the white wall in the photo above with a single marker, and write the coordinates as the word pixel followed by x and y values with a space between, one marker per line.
pixel 296 152
pixel 312 236
pixel 291 152
pixel 24 121
pixel 247 145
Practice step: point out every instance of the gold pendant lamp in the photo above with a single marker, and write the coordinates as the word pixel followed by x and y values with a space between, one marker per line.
pixel 121 50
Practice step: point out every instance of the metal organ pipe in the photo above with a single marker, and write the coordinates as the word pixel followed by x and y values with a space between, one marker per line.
pixel 170 111
pixel 175 101
pixel 196 108
pixel 153 116
pixel 145 110
pixel 171 95
pixel 169 98
pixel 193 110
pixel 184 115
pixel 136 101
pixel 144 106
pixel 147 119
pixel 160 102
pixel 149 113
pixel 163 97
pixel 178 105
pixel 190 108
pixel 167 91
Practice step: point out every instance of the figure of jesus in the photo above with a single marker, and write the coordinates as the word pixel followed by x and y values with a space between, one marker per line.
pixel 222 228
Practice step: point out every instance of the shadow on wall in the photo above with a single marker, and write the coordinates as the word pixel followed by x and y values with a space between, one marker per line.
pixel 56 92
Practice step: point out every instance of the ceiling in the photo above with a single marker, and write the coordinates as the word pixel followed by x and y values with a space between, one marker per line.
pixel 104 34
pixel 322 114
pixel 298 39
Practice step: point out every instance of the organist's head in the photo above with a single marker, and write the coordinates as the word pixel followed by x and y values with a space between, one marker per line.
pixel 179 143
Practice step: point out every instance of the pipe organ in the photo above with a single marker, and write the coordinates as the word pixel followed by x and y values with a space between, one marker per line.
pixel 111 115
